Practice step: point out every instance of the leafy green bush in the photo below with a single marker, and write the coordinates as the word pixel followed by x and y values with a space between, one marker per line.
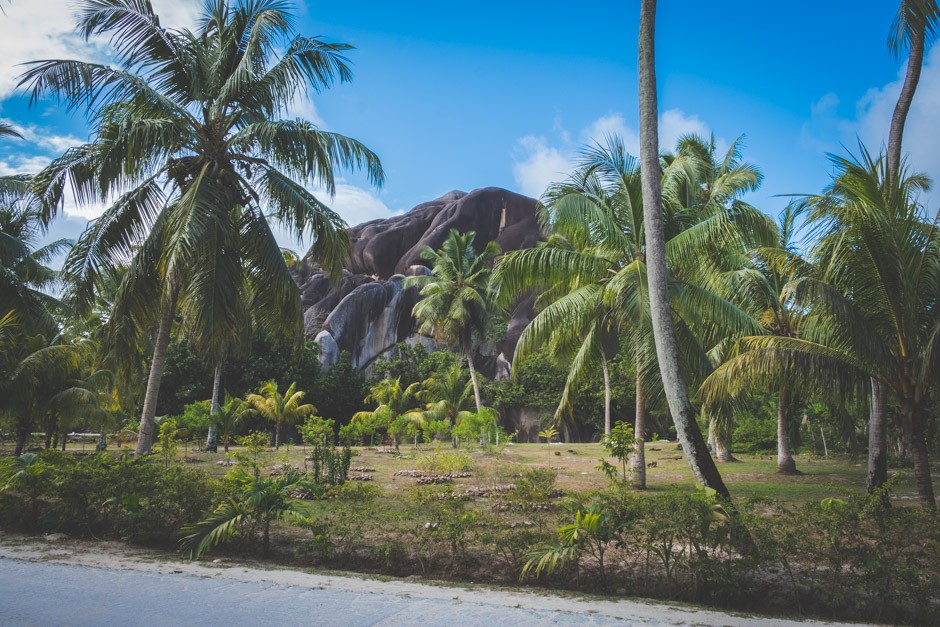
pixel 446 463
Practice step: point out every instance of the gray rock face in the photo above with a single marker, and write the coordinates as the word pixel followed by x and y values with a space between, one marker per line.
pixel 370 310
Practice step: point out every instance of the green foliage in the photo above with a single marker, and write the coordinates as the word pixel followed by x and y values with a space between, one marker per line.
pixel 413 363
pixel 404 428
pixel 591 532
pixel 481 428
pixel 329 464
pixel 620 444
pixel 436 430
pixel 260 501
pixel 195 419
pixel 168 439
pixel 340 392
pixel 317 430
pixel 446 463
pixel 537 382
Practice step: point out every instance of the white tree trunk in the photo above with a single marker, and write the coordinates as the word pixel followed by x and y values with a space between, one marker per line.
pixel 149 411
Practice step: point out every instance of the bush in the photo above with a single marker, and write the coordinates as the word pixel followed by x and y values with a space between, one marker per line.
pixel 446 463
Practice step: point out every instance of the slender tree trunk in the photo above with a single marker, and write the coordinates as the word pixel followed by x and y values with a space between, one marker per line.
pixel 49 436
pixel 606 395
pixel 922 476
pixel 64 440
pixel 476 384
pixel 896 133
pixel 149 412
pixel 212 440
pixel 102 441
pixel 639 453
pixel 785 462
pixel 22 435
pixel 683 414
pixel 877 438
pixel 277 436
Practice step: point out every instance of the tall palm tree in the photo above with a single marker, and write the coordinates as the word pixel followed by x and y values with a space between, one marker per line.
pixel 871 311
pixel 189 150
pixel 456 306
pixel 915 26
pixel 677 395
pixel 762 287
pixel 281 409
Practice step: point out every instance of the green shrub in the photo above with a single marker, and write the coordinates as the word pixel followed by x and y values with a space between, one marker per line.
pixel 446 463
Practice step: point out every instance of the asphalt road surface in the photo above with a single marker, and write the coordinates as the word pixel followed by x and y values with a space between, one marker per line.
pixel 44 591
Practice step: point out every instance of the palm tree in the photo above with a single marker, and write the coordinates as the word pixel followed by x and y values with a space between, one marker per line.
pixel 189 150
pixel 448 396
pixel 392 402
pixel 262 501
pixel 229 416
pixel 915 26
pixel 33 370
pixel 455 306
pixel 763 287
pixel 683 414
pixel 871 311
pixel 24 275
pixel 281 409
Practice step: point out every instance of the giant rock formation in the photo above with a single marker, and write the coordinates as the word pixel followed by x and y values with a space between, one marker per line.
pixel 369 310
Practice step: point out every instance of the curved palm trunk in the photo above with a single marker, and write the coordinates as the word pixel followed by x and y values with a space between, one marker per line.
pixel 476 384
pixel 877 438
pixel 149 411
pixel 22 435
pixel 683 414
pixel 607 395
pixel 639 453
pixel 785 462
pixel 911 78
pixel 921 460
pixel 212 440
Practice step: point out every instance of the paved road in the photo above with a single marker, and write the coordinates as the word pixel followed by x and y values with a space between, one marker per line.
pixel 42 591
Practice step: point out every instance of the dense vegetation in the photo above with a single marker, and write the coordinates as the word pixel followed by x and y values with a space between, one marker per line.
pixel 667 307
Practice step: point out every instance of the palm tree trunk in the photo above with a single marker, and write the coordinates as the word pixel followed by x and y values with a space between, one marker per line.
pixel 277 436
pixel 683 414
pixel 23 425
pixel 877 438
pixel 606 395
pixel 149 412
pixel 922 476
pixel 102 441
pixel 476 384
pixel 785 462
pixel 212 440
pixel 896 133
pixel 639 453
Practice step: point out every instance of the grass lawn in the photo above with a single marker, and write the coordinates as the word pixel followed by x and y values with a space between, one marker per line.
pixel 576 468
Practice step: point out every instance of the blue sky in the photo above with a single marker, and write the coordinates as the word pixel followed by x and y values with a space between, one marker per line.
pixel 504 94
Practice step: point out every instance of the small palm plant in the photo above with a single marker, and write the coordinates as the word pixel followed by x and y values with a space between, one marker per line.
pixel 26 474
pixel 262 500
pixel 549 433
pixel 231 414
pixel 281 409
pixel 590 533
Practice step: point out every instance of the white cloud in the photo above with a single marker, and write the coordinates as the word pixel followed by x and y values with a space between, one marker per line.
pixel 537 165
pixel 45 29
pixel 537 162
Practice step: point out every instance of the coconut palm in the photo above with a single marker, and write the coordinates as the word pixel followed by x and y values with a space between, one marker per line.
pixel 33 370
pixel 281 409
pixel 593 273
pixel 24 273
pixel 456 307
pixel 667 351
pixel 762 286
pixel 189 150
pixel 915 25
pixel 392 402
pixel 870 313
pixel 229 416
